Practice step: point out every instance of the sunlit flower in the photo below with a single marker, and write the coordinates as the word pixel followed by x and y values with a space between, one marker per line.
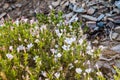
pixel 89 49
pixel 88 70
pixel 32 21
pixel 57 75
pixel 20 48
pixel 80 41
pixel 66 47
pixel 43 27
pixel 17 22
pixel 29 46
pixel 61 68
pixel 58 33
pixel 58 55
pixel 44 73
pixel 70 66
pixel 70 26
pixel 76 61
pixel 99 73
pixel 53 51
pixel 56 46
pixel 9 56
pixel 70 40
pixel 35 58
pixel 11 48
pixel 78 70
pixel 36 40
pixel 90 52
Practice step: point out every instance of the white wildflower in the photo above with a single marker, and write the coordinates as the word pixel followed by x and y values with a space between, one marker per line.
pixel 56 46
pixel 66 47
pixel 70 40
pixel 25 20
pixel 9 56
pixel 20 48
pixel 31 21
pixel 37 40
pixel 53 51
pixel 44 73
pixel 35 58
pixel 78 70
pixel 57 75
pixel 29 46
pixel 80 41
pixel 88 70
pixel 58 33
pixel 43 27
pixel 58 55
pixel 11 48
pixel 71 66
pixel 70 26
pixel 90 52
pixel 50 6
pixel 17 22
pixel 47 79
pixel 89 49
pixel 99 73
pixel 76 61
pixel 61 68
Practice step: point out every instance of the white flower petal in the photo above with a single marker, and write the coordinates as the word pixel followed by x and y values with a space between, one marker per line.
pixel 9 56
pixel 57 75
pixel 78 70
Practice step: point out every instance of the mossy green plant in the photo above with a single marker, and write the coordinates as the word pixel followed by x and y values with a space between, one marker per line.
pixel 47 50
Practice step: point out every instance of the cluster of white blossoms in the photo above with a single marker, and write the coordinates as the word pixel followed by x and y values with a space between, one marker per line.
pixel 70 40
pixel 29 46
pixel 71 66
pixel 22 48
pixel 57 75
pixel 43 27
pixel 59 34
pixel 58 55
pixel 44 73
pixel 66 47
pixel 89 49
pixel 88 70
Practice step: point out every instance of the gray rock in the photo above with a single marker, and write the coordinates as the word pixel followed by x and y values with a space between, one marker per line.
pixel 2 15
pixel 117 3
pixel 91 24
pixel 89 17
pixel 101 17
pixel 117 29
pixel 118 38
pixel 18 5
pixel 6 5
pixel 116 48
pixel 114 35
pixel 91 11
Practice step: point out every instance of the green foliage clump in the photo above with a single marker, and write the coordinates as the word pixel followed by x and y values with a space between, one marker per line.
pixel 49 49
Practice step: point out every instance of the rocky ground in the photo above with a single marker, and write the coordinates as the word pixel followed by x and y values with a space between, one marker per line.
pixel 101 16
